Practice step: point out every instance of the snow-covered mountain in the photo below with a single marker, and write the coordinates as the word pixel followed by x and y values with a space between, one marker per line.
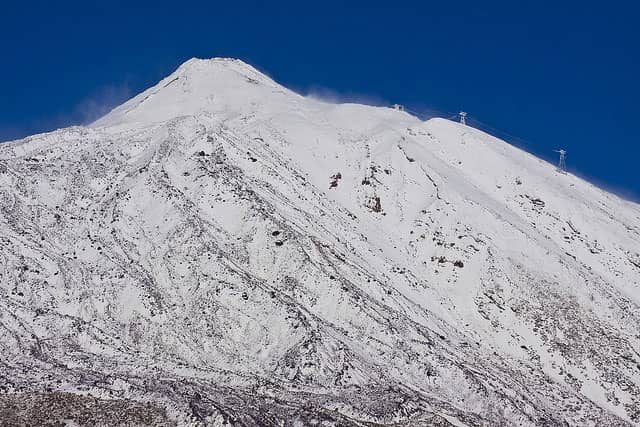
pixel 226 250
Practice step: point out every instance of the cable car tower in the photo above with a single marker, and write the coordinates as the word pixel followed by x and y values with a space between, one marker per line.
pixel 562 167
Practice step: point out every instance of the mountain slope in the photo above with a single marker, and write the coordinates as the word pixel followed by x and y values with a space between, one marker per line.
pixel 226 249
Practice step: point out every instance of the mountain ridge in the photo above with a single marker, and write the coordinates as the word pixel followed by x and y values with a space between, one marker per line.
pixel 232 251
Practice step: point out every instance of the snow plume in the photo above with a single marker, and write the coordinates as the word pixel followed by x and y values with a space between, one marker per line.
pixel 87 110
pixel 332 96
pixel 100 103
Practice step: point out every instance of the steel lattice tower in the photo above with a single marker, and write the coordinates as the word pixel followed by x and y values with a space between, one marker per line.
pixel 562 167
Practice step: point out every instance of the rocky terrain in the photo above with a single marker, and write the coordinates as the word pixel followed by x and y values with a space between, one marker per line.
pixel 220 250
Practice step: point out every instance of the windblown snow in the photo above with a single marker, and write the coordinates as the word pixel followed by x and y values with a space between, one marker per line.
pixel 228 251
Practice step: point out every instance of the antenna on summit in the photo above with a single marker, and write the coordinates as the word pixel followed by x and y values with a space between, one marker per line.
pixel 562 167
pixel 463 117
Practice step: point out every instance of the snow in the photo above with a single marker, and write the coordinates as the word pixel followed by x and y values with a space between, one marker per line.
pixel 201 246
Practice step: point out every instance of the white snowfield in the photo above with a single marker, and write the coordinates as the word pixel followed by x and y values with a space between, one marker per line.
pixel 231 251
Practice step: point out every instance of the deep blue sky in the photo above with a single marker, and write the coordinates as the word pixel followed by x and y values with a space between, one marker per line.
pixel 554 75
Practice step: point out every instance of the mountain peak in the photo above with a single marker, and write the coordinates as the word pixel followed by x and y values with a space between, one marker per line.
pixel 216 85
pixel 208 65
